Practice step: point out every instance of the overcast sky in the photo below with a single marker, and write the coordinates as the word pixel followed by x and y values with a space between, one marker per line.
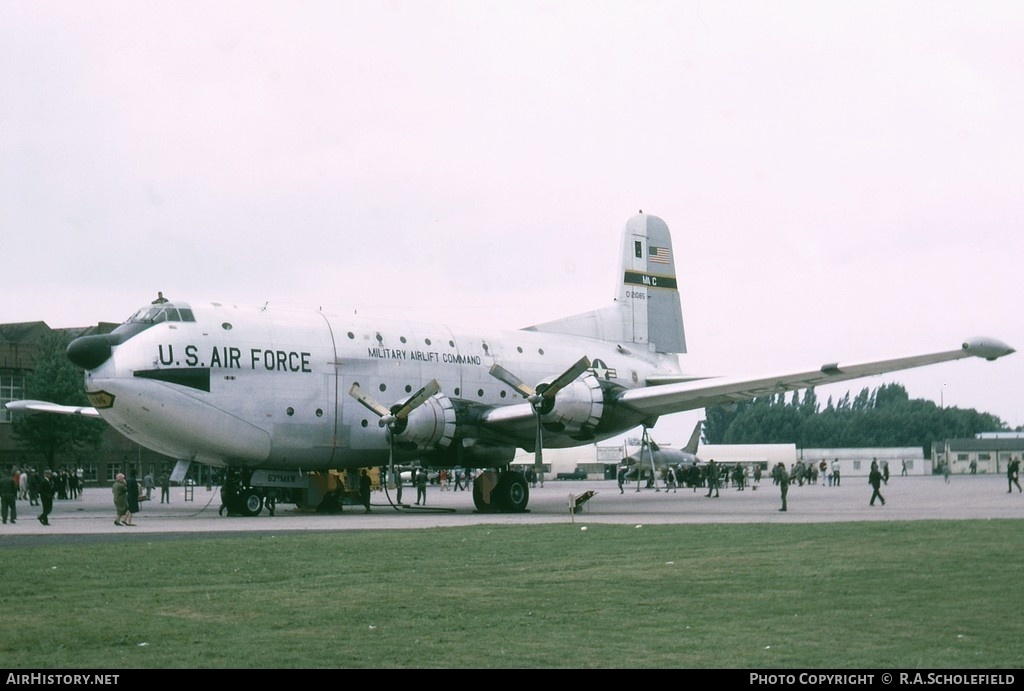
pixel 844 181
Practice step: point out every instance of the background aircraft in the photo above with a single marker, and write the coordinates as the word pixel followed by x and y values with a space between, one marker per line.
pixel 653 460
pixel 281 397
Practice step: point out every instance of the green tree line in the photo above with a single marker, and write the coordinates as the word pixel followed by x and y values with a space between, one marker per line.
pixel 56 380
pixel 885 416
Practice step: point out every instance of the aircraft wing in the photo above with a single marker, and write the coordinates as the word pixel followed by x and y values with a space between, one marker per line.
pixel 55 408
pixel 678 397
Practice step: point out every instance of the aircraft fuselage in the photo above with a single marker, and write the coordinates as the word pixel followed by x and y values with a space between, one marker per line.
pixel 265 387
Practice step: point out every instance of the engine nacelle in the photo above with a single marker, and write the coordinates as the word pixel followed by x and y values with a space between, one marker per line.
pixel 429 426
pixel 577 408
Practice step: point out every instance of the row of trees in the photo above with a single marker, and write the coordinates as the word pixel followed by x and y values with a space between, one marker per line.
pixel 885 416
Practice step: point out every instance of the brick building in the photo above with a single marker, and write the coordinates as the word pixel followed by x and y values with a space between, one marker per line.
pixel 19 347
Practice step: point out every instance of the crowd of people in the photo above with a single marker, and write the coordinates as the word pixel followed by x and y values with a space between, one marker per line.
pixel 38 489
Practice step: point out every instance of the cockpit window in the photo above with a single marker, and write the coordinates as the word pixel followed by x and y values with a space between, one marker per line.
pixel 149 316
pixel 154 314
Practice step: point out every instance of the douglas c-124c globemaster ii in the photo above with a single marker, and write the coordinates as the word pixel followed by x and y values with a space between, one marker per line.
pixel 281 393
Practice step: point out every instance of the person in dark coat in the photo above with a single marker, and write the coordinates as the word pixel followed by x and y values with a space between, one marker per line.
pixel 782 477
pixel 46 490
pixel 133 493
pixel 712 478
pixel 8 497
pixel 1012 473
pixel 875 480
pixel 165 488
pixel 364 489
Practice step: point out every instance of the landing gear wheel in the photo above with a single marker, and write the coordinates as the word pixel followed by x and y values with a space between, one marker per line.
pixel 512 493
pixel 251 502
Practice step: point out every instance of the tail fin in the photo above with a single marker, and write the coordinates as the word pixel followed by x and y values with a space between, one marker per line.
pixel 691 446
pixel 646 309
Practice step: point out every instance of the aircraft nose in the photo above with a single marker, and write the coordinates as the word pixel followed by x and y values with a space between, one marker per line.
pixel 89 352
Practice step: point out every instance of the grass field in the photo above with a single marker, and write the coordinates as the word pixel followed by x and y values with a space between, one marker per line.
pixel 926 594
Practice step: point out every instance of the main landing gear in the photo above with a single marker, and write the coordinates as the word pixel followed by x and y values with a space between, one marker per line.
pixel 238 497
pixel 506 492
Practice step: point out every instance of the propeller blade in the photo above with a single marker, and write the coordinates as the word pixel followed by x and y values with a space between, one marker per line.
pixel 418 399
pixel 502 374
pixel 567 377
pixel 367 400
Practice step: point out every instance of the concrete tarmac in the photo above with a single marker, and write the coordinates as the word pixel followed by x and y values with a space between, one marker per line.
pixel 907 499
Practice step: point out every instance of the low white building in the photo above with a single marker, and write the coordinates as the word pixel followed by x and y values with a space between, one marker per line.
pixel 857 461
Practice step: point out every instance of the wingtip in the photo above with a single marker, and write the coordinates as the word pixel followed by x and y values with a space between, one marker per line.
pixel 987 348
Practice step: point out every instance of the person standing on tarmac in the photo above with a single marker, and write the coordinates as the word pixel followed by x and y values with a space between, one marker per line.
pixel 46 490
pixel 120 492
pixel 364 489
pixel 421 487
pixel 712 478
pixel 8 497
pixel 875 480
pixel 165 488
pixel 782 477
pixel 1013 473
pixel 396 478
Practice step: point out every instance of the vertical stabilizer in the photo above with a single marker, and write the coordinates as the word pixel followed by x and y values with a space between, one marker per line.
pixel 647 310
pixel 648 291
pixel 694 443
